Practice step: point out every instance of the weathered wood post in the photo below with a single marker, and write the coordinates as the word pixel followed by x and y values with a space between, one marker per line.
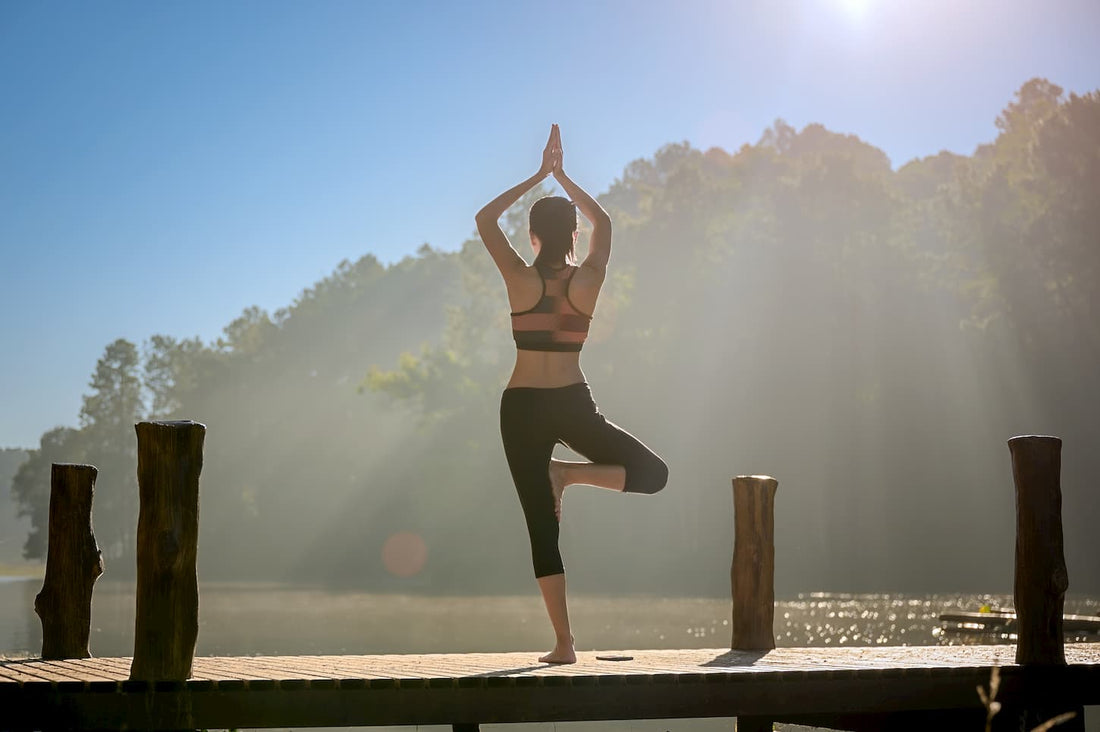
pixel 1041 578
pixel 1040 585
pixel 752 575
pixel 167 619
pixel 73 563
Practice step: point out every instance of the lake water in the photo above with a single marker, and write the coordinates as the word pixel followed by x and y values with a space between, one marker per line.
pixel 265 619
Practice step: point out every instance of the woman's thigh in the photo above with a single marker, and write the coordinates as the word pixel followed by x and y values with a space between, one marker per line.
pixel 589 433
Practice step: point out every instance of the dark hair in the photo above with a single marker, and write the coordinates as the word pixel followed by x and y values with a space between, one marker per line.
pixel 553 221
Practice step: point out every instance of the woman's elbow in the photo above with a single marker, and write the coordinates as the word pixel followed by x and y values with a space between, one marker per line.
pixel 601 227
pixel 484 216
pixel 482 224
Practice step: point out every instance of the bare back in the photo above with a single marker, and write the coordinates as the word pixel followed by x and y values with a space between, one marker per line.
pixel 547 369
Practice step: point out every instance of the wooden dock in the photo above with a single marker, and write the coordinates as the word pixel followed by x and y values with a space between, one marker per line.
pixel 877 688
pixel 845 688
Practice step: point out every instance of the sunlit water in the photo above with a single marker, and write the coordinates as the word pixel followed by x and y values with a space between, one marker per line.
pixel 262 619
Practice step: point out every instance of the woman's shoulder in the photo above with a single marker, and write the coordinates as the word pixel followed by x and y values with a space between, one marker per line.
pixel 524 286
pixel 525 273
pixel 589 274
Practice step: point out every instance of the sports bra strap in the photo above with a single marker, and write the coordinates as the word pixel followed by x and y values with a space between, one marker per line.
pixel 554 323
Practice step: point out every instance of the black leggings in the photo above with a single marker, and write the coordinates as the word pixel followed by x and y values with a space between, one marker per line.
pixel 532 421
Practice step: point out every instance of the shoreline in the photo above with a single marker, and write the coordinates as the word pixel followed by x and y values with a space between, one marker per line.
pixel 15 571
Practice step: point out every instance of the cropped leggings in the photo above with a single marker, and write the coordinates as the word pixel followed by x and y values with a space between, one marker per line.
pixel 532 422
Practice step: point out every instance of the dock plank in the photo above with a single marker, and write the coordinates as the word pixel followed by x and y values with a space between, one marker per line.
pixel 30 671
pixel 102 667
pixel 10 673
pixel 76 670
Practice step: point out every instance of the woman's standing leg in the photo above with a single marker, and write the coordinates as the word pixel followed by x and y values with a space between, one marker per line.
pixel 528 444
pixel 552 588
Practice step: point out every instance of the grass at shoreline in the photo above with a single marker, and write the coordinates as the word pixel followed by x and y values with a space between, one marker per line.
pixel 22 569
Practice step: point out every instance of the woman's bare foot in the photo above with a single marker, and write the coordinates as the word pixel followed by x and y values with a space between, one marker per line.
pixel 562 653
pixel 557 488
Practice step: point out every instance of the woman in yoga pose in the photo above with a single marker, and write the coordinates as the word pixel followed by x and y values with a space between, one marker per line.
pixel 547 400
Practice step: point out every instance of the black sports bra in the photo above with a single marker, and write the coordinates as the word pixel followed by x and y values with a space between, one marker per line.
pixel 554 323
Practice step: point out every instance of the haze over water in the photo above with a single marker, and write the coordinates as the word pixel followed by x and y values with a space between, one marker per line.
pixel 268 619
pixel 257 619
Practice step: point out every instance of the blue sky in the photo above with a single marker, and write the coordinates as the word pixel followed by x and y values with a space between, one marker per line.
pixel 164 165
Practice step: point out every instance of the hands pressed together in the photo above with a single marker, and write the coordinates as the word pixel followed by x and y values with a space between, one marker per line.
pixel 552 154
pixel 488 226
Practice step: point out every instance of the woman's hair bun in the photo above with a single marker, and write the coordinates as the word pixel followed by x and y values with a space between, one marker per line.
pixel 553 220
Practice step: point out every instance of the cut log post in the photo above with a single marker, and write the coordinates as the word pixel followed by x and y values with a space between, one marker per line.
pixel 752 575
pixel 73 563
pixel 167 618
pixel 1041 578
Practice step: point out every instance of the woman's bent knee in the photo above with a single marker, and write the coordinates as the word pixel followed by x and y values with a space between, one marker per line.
pixel 649 479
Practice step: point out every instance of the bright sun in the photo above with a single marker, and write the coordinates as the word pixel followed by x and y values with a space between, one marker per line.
pixel 854 8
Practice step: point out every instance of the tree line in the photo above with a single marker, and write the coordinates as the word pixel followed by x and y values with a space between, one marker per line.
pixel 797 307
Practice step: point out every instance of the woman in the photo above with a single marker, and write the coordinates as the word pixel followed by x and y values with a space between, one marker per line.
pixel 547 400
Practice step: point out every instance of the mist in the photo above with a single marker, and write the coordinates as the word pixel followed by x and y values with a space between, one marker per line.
pixel 871 337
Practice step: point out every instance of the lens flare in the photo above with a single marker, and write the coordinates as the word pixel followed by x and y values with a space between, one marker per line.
pixel 404 554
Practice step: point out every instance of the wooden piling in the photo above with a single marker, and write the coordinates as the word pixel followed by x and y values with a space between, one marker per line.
pixel 1040 587
pixel 752 575
pixel 1041 578
pixel 73 563
pixel 167 618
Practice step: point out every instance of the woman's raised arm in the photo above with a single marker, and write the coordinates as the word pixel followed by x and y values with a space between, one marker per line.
pixel 599 244
pixel 503 253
